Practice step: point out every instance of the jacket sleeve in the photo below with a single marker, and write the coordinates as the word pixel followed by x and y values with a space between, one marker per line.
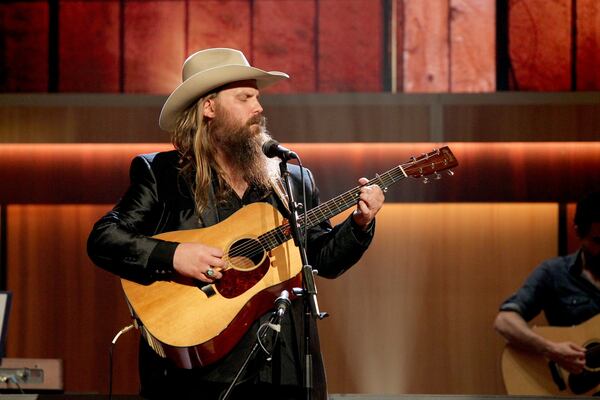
pixel 121 241
pixel 332 251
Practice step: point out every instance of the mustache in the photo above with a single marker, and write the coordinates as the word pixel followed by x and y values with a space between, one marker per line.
pixel 257 119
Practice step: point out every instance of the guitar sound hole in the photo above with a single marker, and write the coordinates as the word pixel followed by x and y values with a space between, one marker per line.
pixel 246 254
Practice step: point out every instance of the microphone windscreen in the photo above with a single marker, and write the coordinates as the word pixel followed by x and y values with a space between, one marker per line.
pixel 270 148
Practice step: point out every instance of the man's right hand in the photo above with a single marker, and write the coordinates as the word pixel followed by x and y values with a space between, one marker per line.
pixel 194 260
pixel 513 327
pixel 567 355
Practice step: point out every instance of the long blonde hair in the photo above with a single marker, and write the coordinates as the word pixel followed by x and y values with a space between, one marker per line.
pixel 191 139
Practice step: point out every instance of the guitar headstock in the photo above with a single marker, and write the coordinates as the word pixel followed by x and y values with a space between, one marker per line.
pixel 430 163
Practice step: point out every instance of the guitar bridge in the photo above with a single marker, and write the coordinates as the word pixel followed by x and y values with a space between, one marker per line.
pixel 208 290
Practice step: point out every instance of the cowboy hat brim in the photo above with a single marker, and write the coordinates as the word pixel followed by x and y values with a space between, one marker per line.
pixel 203 82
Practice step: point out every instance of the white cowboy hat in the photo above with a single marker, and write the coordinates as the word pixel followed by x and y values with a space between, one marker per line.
pixel 206 70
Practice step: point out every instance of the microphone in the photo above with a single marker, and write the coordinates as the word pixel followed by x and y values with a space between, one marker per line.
pixel 272 148
pixel 282 303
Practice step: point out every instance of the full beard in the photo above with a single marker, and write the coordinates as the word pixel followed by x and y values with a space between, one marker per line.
pixel 241 147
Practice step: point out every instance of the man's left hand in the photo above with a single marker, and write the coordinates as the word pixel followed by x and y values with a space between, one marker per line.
pixel 370 202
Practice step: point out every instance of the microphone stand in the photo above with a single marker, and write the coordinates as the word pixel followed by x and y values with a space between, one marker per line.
pixel 274 323
pixel 308 292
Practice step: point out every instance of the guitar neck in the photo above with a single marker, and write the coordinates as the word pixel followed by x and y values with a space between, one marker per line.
pixel 349 199
pixel 417 167
pixel 330 208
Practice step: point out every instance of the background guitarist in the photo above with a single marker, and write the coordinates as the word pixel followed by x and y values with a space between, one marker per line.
pixel 217 128
pixel 566 288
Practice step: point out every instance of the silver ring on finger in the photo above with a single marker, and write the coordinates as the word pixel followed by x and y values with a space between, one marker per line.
pixel 210 272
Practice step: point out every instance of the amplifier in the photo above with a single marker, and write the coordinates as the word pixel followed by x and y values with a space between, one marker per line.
pixel 31 374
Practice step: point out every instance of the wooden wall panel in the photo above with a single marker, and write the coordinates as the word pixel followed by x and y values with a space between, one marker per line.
pixel 66 174
pixel 219 23
pixel 588 45
pixel 522 122
pixel 63 306
pixel 415 315
pixel 24 62
pixel 350 46
pixel 527 172
pixel 319 118
pixel 472 46
pixel 154 45
pixel 284 39
pixel 89 52
pixel 540 44
pixel 426 48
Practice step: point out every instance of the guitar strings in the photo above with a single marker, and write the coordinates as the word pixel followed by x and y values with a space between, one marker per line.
pixel 270 238
pixel 255 246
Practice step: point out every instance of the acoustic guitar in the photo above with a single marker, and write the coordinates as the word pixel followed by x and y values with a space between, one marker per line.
pixel 527 373
pixel 193 323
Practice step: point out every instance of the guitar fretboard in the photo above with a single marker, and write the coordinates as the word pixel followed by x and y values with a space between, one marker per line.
pixel 330 208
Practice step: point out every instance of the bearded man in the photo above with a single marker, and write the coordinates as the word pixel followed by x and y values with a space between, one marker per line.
pixel 566 288
pixel 217 168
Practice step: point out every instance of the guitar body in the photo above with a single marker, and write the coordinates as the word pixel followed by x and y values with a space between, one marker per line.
pixel 527 373
pixel 196 324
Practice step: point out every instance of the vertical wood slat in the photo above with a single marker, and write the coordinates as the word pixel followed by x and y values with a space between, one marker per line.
pixel 540 44
pixel 63 306
pixel 425 49
pixel 217 23
pixel 588 45
pixel 399 45
pixel 24 63
pixel 284 40
pixel 472 46
pixel 89 46
pixel 154 46
pixel 350 46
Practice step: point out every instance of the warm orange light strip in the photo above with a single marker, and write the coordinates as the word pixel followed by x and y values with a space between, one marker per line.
pixel 514 171
pixel 352 148
pixel 320 153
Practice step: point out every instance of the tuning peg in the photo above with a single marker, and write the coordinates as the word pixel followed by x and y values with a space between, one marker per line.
pixel 450 172
pixel 438 176
pixel 426 180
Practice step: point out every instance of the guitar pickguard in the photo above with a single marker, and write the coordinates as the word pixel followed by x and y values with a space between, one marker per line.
pixel 235 282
